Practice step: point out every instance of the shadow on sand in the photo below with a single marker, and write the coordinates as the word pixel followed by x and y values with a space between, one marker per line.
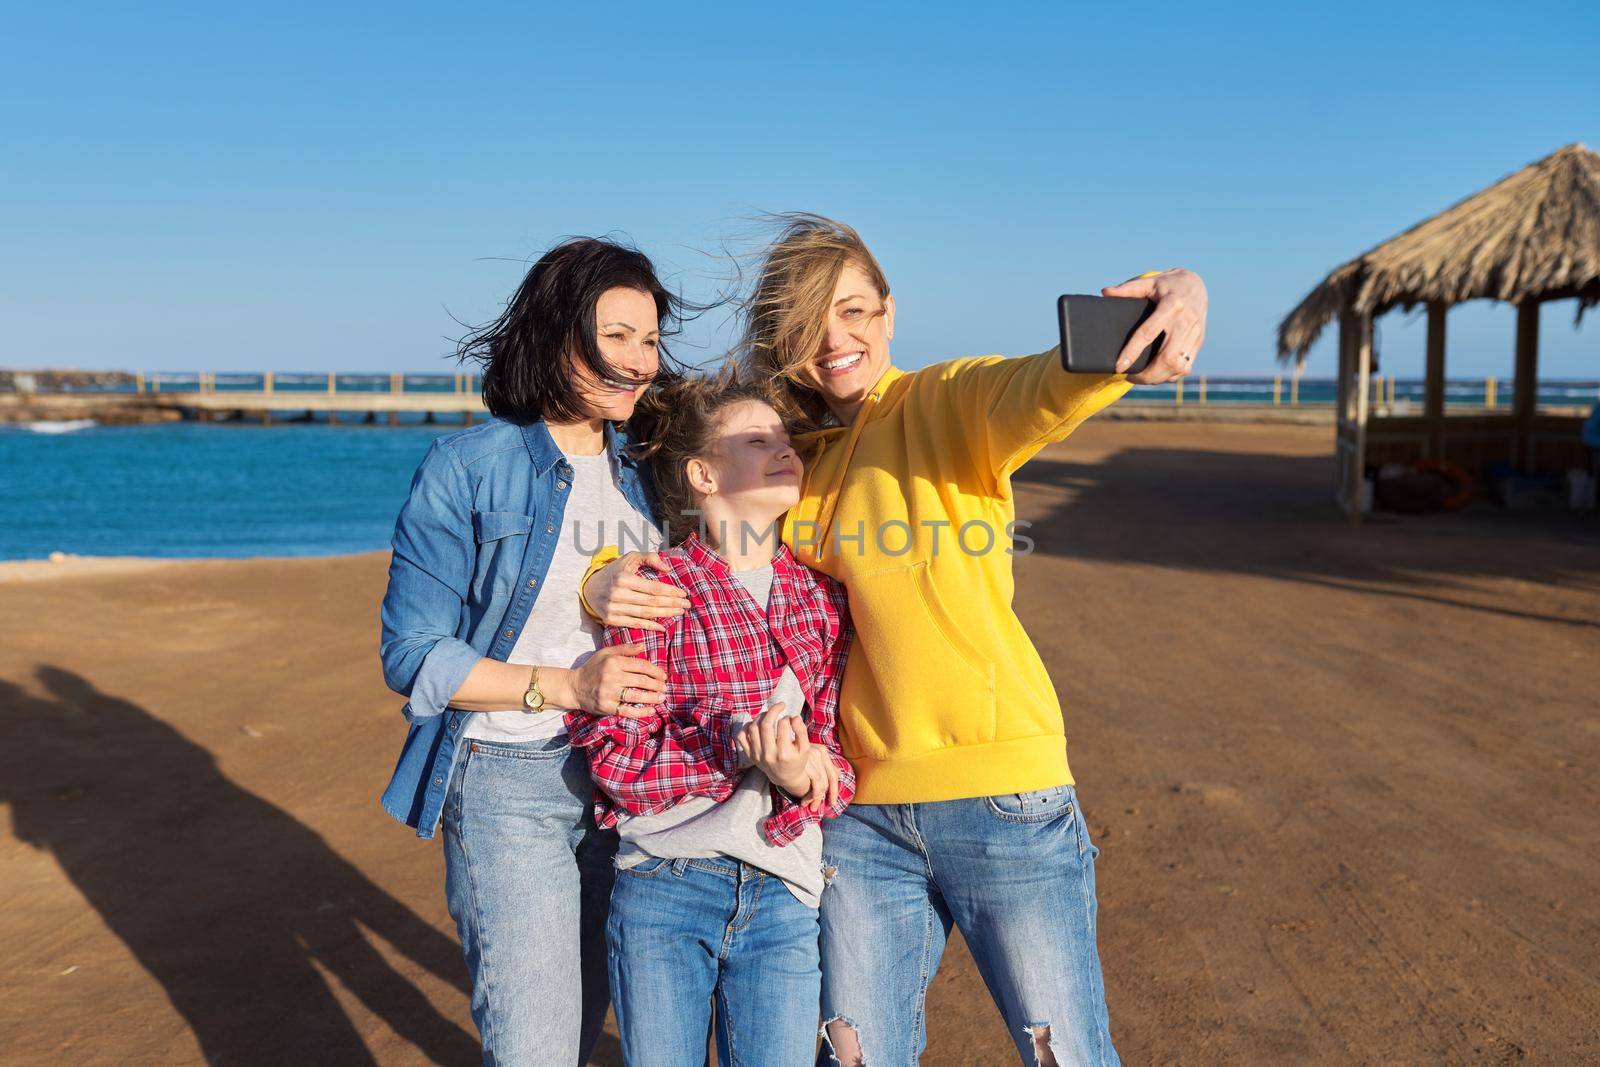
pixel 236 908
pixel 1274 516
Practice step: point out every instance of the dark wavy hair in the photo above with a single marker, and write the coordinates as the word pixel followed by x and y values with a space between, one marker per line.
pixel 528 353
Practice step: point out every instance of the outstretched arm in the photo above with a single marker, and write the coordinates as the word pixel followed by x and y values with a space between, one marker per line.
pixel 1008 409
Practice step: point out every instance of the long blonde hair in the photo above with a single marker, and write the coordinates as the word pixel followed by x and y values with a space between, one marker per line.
pixel 785 316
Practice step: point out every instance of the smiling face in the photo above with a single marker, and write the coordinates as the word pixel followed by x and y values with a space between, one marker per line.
pixel 855 350
pixel 628 333
pixel 751 469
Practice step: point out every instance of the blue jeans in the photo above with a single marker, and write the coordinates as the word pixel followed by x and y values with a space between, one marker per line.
pixel 1015 873
pixel 527 877
pixel 682 931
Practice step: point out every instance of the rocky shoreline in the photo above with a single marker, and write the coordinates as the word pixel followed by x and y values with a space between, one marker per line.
pixel 109 409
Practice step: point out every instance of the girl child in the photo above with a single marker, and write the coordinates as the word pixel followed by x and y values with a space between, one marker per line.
pixel 718 793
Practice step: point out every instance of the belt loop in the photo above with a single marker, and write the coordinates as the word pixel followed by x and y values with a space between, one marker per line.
pixel 680 865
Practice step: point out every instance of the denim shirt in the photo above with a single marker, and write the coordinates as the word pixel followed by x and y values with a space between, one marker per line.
pixel 471 549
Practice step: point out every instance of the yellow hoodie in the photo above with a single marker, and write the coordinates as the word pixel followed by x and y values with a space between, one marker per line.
pixel 911 508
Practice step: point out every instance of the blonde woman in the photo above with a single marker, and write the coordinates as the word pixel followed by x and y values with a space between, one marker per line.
pixel 965 812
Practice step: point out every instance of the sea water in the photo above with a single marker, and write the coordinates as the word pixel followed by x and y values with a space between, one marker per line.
pixel 189 489
pixel 192 489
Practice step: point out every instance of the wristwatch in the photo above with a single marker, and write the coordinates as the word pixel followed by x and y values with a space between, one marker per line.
pixel 533 699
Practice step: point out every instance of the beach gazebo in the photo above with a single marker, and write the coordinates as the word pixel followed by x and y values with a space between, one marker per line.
pixel 1531 237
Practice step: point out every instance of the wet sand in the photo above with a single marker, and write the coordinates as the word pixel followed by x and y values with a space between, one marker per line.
pixel 1344 781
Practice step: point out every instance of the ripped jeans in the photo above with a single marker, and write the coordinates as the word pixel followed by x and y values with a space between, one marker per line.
pixel 1015 873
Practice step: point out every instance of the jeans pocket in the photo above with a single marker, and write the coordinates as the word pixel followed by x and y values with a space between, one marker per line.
pixel 558 747
pixel 647 869
pixel 1041 805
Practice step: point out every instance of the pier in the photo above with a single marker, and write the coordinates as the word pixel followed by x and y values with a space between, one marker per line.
pixel 363 397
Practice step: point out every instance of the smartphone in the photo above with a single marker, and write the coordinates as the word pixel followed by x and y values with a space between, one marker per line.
pixel 1094 329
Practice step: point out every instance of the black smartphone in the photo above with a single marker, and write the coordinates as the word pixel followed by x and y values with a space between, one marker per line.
pixel 1094 329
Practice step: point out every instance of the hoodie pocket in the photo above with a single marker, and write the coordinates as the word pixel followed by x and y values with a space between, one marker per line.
pixel 925 685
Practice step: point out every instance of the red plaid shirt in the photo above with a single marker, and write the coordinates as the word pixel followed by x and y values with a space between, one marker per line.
pixel 723 656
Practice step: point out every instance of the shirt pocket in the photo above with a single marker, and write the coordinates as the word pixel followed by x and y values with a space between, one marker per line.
pixel 502 541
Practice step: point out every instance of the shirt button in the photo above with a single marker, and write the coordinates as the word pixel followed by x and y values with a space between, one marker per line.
pixel 561 485
pixel 438 781
pixel 532 582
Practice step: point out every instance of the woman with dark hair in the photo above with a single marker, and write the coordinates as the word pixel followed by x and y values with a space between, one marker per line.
pixel 484 636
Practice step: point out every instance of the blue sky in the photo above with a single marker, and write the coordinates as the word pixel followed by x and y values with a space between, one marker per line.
pixel 303 188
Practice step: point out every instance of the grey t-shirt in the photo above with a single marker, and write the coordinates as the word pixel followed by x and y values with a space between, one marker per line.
pixel 558 633
pixel 699 827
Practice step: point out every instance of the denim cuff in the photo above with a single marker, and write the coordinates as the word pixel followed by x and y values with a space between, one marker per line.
pixel 443 670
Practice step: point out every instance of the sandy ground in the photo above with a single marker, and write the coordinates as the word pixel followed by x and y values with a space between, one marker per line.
pixel 1345 782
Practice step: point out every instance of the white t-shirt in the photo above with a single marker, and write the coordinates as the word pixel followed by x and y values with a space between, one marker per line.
pixel 559 633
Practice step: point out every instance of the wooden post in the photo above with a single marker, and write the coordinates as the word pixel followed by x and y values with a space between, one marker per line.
pixel 1488 393
pixel 1177 392
pixel 1525 387
pixel 333 383
pixel 394 418
pixel 1202 389
pixel 1341 413
pixel 266 383
pixel 1341 398
pixel 1277 388
pixel 1363 367
pixel 138 382
pixel 333 417
pixel 1433 388
pixel 397 383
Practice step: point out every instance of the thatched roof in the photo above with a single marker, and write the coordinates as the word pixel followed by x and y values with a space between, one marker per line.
pixel 1535 233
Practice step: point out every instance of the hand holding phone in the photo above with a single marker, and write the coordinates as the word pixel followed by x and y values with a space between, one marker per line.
pixel 1094 330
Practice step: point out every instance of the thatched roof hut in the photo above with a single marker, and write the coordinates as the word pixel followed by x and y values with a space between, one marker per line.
pixel 1531 237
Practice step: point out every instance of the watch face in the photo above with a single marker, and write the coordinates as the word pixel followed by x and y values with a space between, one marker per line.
pixel 534 699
